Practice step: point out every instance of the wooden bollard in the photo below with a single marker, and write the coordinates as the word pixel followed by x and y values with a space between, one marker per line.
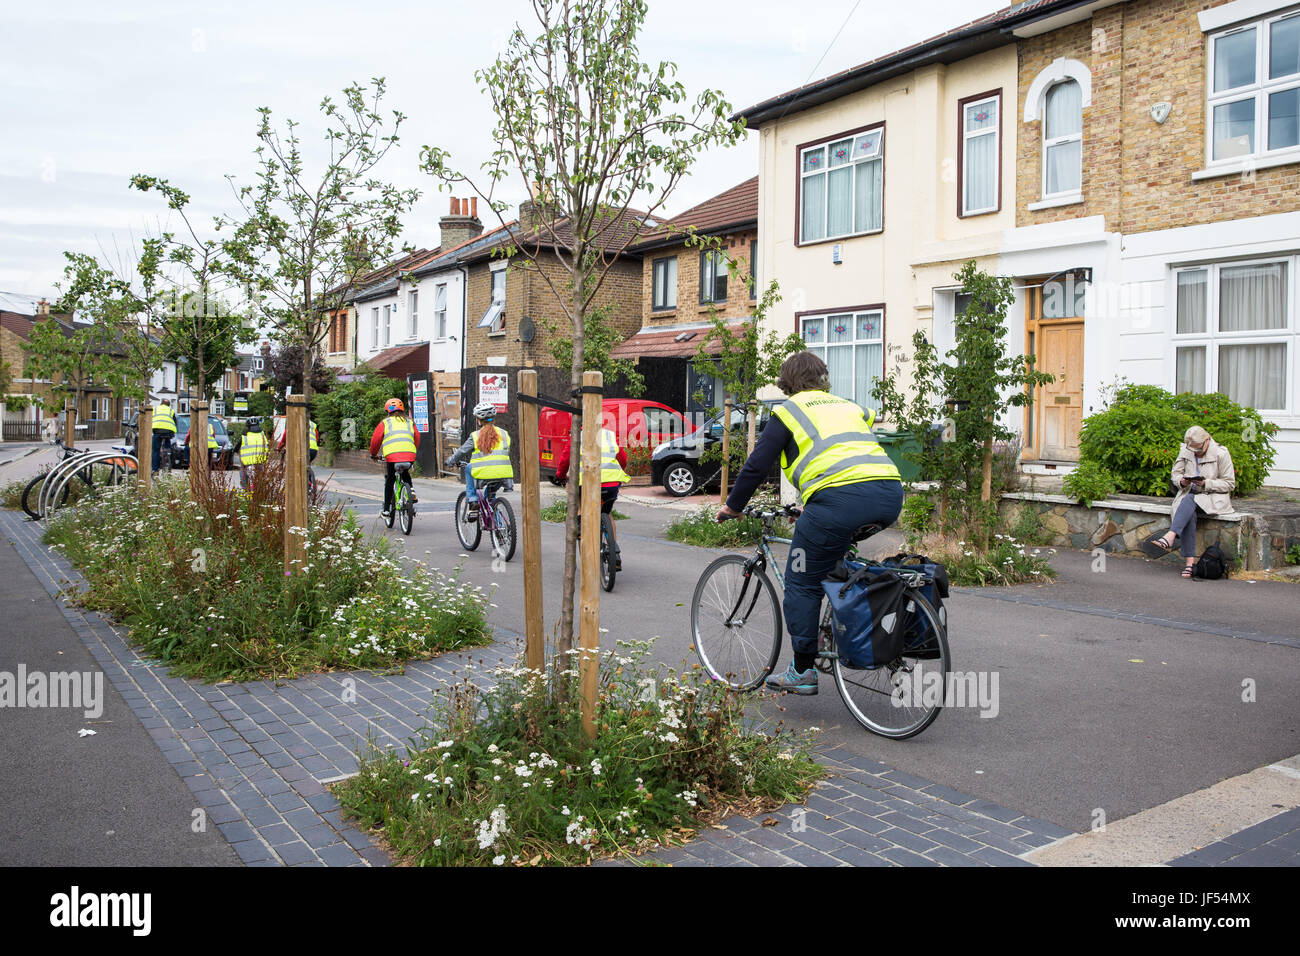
pixel 531 523
pixel 295 483
pixel 144 449
pixel 198 444
pixel 589 593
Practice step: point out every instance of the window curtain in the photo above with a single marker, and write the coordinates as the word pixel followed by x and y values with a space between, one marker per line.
pixel 839 201
pixel 870 363
pixel 1254 375
pixel 1063 116
pixel 868 203
pixel 839 361
pixel 981 172
pixel 1191 302
pixel 1252 298
pixel 812 210
pixel 1190 370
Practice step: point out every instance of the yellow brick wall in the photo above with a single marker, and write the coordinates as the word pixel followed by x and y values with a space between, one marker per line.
pixel 688 309
pixel 528 293
pixel 1137 173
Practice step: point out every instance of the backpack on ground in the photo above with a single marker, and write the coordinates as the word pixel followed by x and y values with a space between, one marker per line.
pixel 1212 564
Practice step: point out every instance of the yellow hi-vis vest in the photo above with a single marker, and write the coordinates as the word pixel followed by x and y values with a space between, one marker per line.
pixel 255 448
pixel 835 443
pixel 494 463
pixel 610 469
pixel 312 436
pixel 212 438
pixel 164 419
pixel 399 436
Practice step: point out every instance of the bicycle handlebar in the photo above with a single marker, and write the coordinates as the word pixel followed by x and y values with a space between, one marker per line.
pixel 766 514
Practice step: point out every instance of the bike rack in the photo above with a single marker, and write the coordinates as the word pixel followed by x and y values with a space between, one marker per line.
pixel 63 472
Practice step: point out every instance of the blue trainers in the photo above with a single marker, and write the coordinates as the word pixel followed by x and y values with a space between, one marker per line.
pixel 793 682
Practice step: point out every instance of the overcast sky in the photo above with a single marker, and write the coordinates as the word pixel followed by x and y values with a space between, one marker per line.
pixel 94 92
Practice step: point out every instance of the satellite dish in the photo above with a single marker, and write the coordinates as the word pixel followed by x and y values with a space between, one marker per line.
pixel 527 331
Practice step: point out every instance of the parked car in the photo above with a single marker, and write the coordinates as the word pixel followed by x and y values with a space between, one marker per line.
pixel 225 446
pixel 676 464
pixel 634 421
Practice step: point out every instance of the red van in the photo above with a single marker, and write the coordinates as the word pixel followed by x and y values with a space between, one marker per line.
pixel 635 422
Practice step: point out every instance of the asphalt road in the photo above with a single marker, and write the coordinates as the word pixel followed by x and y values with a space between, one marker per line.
pixel 1118 689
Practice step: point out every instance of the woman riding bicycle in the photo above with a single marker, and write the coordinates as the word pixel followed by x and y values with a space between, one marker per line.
pixel 826 450
pixel 488 451
pixel 397 439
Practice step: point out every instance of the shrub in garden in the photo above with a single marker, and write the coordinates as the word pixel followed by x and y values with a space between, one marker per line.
pixel 1090 482
pixel 1137 437
pixel 504 776
pixel 201 585
pixel 362 402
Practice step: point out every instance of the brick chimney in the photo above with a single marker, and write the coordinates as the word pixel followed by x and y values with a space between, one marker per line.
pixel 536 209
pixel 461 224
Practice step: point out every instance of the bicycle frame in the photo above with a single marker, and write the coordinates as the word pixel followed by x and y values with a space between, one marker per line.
pixel 486 517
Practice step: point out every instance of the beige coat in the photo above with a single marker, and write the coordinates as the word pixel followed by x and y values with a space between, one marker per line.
pixel 1220 478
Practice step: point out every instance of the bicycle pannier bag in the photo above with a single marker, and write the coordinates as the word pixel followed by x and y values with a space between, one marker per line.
pixel 870 607
pixel 920 642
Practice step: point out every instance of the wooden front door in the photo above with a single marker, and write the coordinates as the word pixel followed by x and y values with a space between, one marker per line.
pixel 1060 403
pixel 1054 336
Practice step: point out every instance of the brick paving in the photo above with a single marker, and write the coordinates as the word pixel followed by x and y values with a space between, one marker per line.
pixel 257 757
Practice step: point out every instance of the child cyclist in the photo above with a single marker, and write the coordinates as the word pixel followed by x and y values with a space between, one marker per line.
pixel 397 439
pixel 488 451
pixel 613 462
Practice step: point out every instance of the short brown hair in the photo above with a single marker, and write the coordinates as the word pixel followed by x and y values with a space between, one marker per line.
pixel 803 371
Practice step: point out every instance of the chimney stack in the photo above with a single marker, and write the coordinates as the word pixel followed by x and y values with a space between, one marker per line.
pixel 42 307
pixel 460 224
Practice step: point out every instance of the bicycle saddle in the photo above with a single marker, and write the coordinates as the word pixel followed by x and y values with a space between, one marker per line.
pixel 491 488
pixel 866 531
pixel 402 465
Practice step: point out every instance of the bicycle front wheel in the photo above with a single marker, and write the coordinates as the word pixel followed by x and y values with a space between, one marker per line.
pixel 469 532
pixel 504 531
pixel 736 622
pixel 899 699
pixel 607 571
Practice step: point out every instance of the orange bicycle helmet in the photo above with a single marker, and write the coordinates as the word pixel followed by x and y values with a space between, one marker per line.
pixel 394 405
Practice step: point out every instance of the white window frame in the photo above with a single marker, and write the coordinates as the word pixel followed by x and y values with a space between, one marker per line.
pixel 440 315
pixel 996 132
pixel 669 301
pixel 374 328
pixel 388 324
pixel 1260 91
pixel 413 302
pixel 1061 141
pixel 1212 339
pixel 821 350
pixel 713 266
pixel 498 326
pixel 876 155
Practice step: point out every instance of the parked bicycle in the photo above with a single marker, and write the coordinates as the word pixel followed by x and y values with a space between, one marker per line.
pixel 32 493
pixel 736 627
pixel 495 516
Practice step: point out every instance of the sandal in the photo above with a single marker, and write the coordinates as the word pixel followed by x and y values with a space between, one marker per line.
pixel 1155 547
pixel 1187 570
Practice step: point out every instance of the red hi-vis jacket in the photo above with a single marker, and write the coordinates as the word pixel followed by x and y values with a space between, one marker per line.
pixel 377 442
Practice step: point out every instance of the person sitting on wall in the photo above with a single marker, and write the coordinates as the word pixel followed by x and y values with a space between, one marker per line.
pixel 1204 475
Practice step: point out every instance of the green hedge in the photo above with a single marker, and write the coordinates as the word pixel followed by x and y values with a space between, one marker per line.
pixel 1138 437
pixel 362 401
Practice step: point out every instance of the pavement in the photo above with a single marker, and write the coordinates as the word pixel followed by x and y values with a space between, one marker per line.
pixel 1141 719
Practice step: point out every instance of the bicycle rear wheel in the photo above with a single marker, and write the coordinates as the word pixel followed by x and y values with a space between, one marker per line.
pixel 736 622
pixel 903 697
pixel 607 571
pixel 504 531
pixel 469 532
